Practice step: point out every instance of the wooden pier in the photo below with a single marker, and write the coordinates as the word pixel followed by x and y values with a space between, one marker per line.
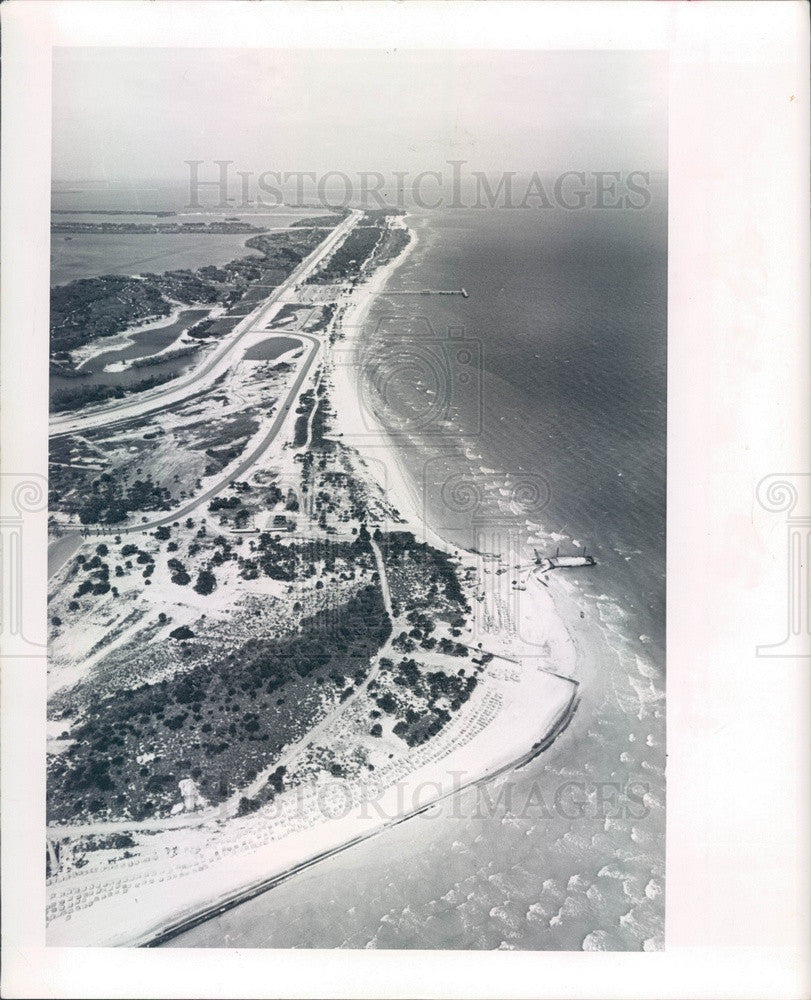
pixel 428 291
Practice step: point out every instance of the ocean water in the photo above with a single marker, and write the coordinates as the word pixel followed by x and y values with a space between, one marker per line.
pixel 534 409
pixel 566 392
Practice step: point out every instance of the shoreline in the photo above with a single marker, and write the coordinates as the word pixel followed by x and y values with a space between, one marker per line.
pixel 177 390
pixel 227 876
pixel 492 735
pixel 376 445
pixel 379 450
pixel 182 926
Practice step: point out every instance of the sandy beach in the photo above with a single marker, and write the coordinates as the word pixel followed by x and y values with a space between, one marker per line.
pixel 525 696
pixel 385 463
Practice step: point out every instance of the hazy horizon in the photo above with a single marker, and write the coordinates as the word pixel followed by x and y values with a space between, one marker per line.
pixel 138 114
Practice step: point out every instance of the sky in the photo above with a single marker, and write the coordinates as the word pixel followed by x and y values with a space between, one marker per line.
pixel 140 113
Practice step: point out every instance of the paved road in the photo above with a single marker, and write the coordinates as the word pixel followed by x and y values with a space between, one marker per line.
pixel 180 512
pixel 64 547
pixel 180 389
pixel 67 544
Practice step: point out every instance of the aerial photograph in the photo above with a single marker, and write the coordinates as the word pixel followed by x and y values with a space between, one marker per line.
pixel 357 499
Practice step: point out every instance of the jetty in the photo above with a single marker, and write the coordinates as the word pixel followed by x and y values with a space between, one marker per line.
pixel 427 291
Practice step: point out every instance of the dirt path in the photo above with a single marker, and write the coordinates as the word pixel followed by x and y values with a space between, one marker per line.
pixel 231 805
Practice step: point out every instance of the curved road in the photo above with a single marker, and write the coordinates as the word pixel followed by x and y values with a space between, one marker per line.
pixel 180 389
pixel 66 545
pixel 244 465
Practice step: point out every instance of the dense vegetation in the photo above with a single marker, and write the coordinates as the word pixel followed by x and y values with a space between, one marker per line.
pixel 303 411
pixel 395 242
pixel 421 700
pixel 407 561
pixel 215 722
pixel 127 228
pixel 110 501
pixel 322 220
pixel 347 260
pixel 297 562
pixel 321 424
pixel 101 307
pixel 85 395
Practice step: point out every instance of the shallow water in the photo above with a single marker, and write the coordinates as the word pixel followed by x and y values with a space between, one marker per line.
pixel 89 255
pixel 556 436
pixel 270 349
pixel 145 343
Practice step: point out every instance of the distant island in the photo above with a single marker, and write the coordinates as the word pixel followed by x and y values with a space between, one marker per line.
pixel 104 211
pixel 254 632
pixel 160 228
